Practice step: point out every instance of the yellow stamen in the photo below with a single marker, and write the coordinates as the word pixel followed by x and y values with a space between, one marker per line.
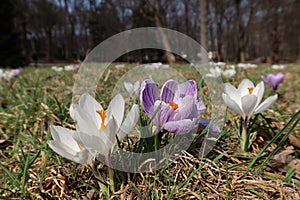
pixel 250 90
pixel 102 114
pixel 79 146
pixel 173 105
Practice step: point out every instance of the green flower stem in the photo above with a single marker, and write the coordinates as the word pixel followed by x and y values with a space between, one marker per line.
pixel 111 174
pixel 244 140
pixel 157 140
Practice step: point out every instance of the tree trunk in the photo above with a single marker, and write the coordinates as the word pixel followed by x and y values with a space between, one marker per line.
pixel 158 22
pixel 203 30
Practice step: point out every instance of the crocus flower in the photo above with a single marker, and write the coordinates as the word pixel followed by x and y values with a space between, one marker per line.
pixel 246 99
pixel 132 89
pixel 228 73
pixel 275 66
pixel 214 72
pixel 177 108
pixel 65 144
pixel 57 69
pixel 220 64
pixel 213 128
pixel 273 80
pixel 246 65
pixel 97 128
pixel 69 68
pixel 15 72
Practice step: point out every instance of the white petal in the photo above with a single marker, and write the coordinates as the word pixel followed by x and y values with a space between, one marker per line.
pixel 129 87
pixel 116 109
pixel 93 143
pixel 86 124
pixel 136 86
pixel 232 104
pixel 129 122
pixel 259 92
pixel 110 132
pixel 244 85
pixel 248 104
pixel 73 111
pixel 266 104
pixel 62 150
pixel 90 106
pixel 65 136
pixel 233 93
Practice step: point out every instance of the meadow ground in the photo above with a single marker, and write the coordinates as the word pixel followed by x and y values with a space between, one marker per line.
pixel 37 98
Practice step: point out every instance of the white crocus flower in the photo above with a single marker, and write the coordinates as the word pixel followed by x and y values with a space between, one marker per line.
pixel 132 89
pixel 246 99
pixel 214 72
pixel 228 73
pixel 97 128
pixel 64 144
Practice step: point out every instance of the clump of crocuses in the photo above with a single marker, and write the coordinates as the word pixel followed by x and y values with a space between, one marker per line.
pixel 273 80
pixel 245 100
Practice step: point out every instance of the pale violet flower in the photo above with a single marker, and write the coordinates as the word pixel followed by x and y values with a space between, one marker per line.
pixel 214 72
pixel 273 80
pixel 165 66
pixel 246 99
pixel 15 72
pixel 77 66
pixel 8 74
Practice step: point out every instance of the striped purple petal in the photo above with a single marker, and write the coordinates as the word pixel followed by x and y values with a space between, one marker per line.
pixel 179 127
pixel 168 91
pixel 148 96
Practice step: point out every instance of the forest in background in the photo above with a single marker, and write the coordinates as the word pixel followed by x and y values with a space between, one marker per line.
pixel 66 30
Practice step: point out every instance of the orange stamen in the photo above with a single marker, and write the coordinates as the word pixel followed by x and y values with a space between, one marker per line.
pixel 250 90
pixel 79 146
pixel 173 105
pixel 102 114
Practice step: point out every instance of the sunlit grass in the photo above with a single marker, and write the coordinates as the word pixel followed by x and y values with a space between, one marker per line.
pixel 40 97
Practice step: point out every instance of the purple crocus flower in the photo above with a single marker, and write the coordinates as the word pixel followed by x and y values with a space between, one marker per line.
pixel 15 72
pixel 273 80
pixel 178 107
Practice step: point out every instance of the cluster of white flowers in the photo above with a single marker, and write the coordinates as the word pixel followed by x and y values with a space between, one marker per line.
pixel 156 66
pixel 8 74
pixel 119 66
pixel 246 65
pixel 217 71
pixel 66 68
pixel 279 66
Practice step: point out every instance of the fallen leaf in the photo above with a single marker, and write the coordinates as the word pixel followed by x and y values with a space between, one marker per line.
pixel 294 141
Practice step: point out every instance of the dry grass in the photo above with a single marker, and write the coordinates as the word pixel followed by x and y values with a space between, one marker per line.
pixel 30 170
